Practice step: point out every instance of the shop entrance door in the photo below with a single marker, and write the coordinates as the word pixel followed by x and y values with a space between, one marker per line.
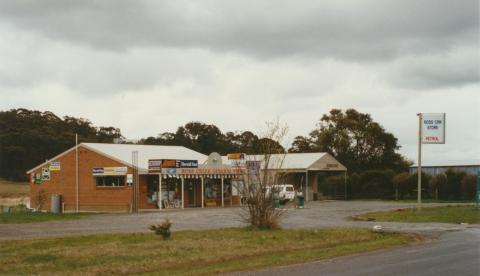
pixel 190 193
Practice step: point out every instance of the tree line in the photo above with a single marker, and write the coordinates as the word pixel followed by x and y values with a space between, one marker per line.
pixel 29 137
pixel 386 184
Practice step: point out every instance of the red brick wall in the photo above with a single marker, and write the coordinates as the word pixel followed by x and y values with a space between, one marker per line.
pixel 143 200
pixel 91 198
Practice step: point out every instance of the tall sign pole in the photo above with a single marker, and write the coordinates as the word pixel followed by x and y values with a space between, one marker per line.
pixel 431 130
pixel 419 163
pixel 76 173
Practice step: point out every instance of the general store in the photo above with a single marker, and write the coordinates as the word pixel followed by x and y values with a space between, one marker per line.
pixel 130 178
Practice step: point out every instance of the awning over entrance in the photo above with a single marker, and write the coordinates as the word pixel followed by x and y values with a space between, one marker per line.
pixel 206 171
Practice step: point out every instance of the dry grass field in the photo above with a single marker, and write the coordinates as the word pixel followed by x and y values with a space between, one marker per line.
pixel 204 252
pixel 10 189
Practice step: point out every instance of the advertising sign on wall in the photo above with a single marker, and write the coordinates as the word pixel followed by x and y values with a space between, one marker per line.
pixel 54 166
pixel 158 164
pixel 109 170
pixel 45 173
pixel 129 178
pixel 38 178
pixel 433 128
pixel 236 156
pixel 154 164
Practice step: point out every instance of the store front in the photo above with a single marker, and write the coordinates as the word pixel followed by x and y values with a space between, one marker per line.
pixel 190 191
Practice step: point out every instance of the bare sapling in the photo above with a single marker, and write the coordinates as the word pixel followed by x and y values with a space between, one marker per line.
pixel 261 179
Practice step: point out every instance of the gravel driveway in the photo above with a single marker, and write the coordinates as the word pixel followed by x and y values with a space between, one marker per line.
pixel 316 214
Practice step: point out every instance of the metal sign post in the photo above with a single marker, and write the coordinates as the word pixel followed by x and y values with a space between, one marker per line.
pixel 431 130
pixel 419 163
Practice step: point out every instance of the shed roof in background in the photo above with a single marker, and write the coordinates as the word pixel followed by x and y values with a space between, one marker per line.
pixel 449 163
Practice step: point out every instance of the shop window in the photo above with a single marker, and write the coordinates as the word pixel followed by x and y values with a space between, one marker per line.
pixel 110 181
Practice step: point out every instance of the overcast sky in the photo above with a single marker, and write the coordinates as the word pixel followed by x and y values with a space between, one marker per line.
pixel 150 66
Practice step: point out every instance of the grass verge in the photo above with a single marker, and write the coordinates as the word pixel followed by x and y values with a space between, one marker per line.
pixel 446 214
pixel 189 252
pixel 13 189
pixel 27 217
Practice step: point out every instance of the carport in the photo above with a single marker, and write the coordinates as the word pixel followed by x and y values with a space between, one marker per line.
pixel 302 169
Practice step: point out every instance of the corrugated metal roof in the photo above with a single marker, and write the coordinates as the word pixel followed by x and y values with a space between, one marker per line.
pixel 288 161
pixel 123 152
pixel 449 163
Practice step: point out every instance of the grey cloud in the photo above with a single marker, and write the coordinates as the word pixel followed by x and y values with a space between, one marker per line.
pixel 453 69
pixel 341 29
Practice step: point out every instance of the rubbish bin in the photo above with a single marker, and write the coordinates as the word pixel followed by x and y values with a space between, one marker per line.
pixel 56 204
pixel 301 202
pixel 276 201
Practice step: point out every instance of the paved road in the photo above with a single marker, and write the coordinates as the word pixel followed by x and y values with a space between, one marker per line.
pixel 453 253
pixel 317 214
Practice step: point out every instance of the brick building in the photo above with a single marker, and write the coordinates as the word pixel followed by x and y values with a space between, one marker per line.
pixel 125 178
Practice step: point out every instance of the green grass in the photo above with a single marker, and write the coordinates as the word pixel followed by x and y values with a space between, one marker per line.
pixel 188 252
pixel 445 214
pixel 13 189
pixel 424 200
pixel 27 217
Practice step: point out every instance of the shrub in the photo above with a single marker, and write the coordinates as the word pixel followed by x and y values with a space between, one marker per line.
pixel 354 185
pixel 438 186
pixel 425 184
pixel 333 185
pixel 402 185
pixel 376 184
pixel 40 199
pixel 454 180
pixel 468 187
pixel 162 229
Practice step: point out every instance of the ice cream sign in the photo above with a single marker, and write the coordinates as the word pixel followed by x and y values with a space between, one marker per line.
pixel 433 128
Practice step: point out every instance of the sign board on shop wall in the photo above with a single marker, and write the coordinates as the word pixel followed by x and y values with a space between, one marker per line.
pixel 158 164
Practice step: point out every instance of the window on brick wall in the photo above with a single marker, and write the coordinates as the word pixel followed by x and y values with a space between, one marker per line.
pixel 110 181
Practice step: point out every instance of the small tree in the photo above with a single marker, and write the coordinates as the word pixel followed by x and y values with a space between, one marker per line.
pixel 333 185
pixel 438 183
pixel 414 183
pixel 401 183
pixel 454 179
pixel 262 175
pixel 376 183
pixel 468 186
pixel 40 199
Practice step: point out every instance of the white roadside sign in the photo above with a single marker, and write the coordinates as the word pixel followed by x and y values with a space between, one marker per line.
pixel 433 128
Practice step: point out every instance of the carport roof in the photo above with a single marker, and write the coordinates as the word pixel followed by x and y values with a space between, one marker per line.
pixel 300 162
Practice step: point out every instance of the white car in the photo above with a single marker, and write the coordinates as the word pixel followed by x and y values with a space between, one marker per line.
pixel 286 192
